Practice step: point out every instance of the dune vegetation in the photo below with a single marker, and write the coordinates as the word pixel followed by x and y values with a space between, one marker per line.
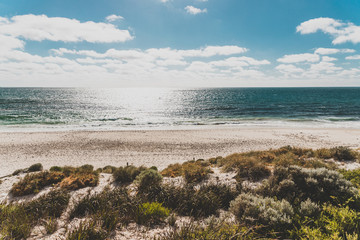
pixel 286 193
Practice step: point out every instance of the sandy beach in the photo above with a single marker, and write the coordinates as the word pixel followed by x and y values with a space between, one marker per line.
pixel 156 147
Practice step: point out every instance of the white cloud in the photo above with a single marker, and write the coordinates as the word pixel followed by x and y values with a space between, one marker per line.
pixel 41 27
pixel 297 58
pixel 340 31
pixel 327 67
pixel 328 59
pixel 113 18
pixel 162 53
pixel 327 51
pixel 8 43
pixel 194 11
pixel 289 69
pixel 355 57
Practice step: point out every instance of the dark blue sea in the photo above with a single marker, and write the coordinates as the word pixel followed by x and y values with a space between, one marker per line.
pixel 107 109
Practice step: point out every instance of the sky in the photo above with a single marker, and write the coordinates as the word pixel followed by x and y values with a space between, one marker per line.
pixel 179 43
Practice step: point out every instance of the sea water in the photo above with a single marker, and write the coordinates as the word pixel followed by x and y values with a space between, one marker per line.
pixel 36 109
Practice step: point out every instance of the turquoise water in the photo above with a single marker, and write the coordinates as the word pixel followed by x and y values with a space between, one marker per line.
pixel 61 109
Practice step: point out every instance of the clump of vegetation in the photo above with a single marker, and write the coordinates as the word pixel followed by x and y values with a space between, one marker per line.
pixel 56 169
pixel 187 201
pixel 338 153
pixel 35 168
pixel 192 171
pixel 352 175
pixel 256 210
pixel 33 183
pixel 148 178
pixel 108 169
pixel 320 185
pixel 127 174
pixel 68 178
pixel 151 213
pixel 87 230
pixel 17 220
pixel 218 230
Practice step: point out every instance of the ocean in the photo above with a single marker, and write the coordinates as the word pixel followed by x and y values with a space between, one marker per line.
pixel 47 109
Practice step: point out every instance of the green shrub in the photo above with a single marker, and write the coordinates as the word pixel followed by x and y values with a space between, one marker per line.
pixel 258 210
pixel 87 231
pixel 195 173
pixel 309 208
pixel 116 200
pixel 148 179
pixel 218 231
pixel 50 225
pixel 352 175
pixel 127 174
pixel 108 169
pixel 333 223
pixel 51 204
pixel 151 213
pixel 319 185
pixel 17 172
pixel 188 201
pixel 251 170
pixel 17 220
pixel 344 154
pixel 86 168
pixel 35 167
pixel 56 169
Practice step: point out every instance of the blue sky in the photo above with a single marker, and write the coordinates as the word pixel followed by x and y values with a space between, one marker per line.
pixel 179 43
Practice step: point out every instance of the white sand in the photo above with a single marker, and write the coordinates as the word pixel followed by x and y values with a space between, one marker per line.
pixel 156 147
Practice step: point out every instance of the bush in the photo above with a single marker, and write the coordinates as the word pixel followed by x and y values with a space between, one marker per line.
pixel 319 185
pixel 116 201
pixel 35 168
pixel 352 175
pixel 195 173
pixel 33 183
pixel 218 231
pixel 173 170
pixel 251 170
pixel 188 201
pixel 151 213
pixel 148 179
pixel 333 223
pixel 80 180
pixel 87 231
pixel 309 208
pixel 127 174
pixel 344 154
pixel 258 210
pixel 17 220
pixel 56 169
pixel 108 169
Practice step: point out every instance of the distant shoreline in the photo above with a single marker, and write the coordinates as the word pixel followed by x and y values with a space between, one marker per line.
pixel 157 147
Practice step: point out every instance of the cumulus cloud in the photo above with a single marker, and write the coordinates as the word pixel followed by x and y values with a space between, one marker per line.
pixel 340 31
pixel 41 27
pixel 328 51
pixel 297 58
pixel 113 18
pixel 194 11
pixel 163 53
pixel 289 69
pixel 328 59
pixel 355 57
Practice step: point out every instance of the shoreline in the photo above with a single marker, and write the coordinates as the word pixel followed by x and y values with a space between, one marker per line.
pixel 157 147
